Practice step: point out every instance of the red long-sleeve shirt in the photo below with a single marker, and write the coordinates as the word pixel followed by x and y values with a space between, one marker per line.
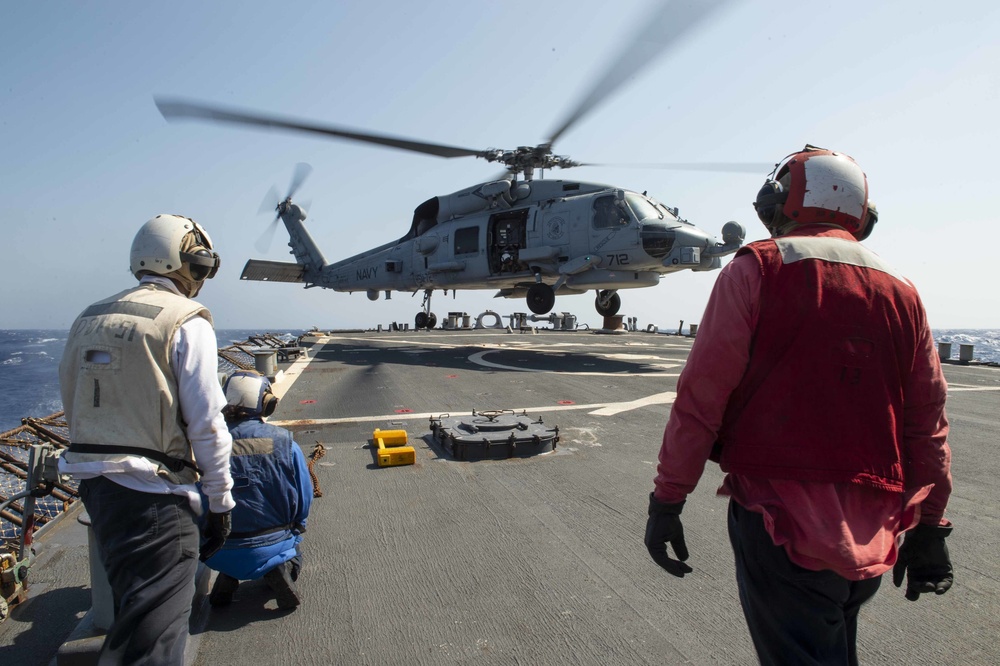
pixel 848 528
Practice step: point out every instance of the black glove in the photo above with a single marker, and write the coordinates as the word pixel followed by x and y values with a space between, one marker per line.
pixel 217 529
pixel 663 526
pixel 923 558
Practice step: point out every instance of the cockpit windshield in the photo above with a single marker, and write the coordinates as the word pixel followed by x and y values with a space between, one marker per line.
pixel 643 208
pixel 646 208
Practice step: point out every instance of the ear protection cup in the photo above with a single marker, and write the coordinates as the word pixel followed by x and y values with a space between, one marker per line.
pixel 769 200
pixel 269 402
pixel 204 264
pixel 870 219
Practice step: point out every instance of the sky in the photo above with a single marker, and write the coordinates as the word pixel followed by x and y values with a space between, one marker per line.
pixel 910 89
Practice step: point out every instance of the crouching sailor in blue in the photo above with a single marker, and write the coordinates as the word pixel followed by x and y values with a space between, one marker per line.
pixel 273 493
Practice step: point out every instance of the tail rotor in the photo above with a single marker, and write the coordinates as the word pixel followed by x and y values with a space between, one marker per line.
pixel 274 202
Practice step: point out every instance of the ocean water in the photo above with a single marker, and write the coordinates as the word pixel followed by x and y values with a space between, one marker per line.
pixel 986 343
pixel 29 370
pixel 29 365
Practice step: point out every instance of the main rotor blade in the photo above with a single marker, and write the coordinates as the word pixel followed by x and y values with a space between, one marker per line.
pixel 173 109
pixel 302 171
pixel 662 29
pixel 762 168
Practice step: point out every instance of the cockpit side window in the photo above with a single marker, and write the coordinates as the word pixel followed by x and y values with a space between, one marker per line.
pixel 467 240
pixel 608 214
pixel 424 219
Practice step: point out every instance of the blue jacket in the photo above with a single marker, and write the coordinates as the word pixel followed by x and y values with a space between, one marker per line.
pixel 273 493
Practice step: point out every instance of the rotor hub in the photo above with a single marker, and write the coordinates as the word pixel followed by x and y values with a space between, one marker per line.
pixel 528 158
pixel 287 208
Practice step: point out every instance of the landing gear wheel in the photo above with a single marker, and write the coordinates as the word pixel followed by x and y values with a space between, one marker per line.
pixel 612 304
pixel 541 298
pixel 426 318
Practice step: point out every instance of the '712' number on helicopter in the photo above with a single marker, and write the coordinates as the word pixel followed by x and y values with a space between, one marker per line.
pixel 621 259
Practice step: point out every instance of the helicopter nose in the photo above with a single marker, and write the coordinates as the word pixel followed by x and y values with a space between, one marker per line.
pixel 657 239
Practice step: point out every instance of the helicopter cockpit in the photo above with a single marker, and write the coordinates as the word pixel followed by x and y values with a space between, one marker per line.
pixel 424 219
pixel 658 223
pixel 610 212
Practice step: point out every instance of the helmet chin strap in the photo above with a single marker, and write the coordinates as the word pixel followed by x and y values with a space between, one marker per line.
pixel 783 227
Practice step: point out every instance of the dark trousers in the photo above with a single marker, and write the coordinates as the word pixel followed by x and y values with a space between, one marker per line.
pixel 149 548
pixel 795 615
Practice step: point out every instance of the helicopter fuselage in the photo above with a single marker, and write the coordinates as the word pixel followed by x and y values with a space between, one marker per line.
pixel 535 238
pixel 507 235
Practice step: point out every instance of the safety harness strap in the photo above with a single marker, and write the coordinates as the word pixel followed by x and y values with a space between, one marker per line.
pixel 256 533
pixel 173 464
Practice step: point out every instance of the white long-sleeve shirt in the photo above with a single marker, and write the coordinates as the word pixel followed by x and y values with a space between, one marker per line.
pixel 194 360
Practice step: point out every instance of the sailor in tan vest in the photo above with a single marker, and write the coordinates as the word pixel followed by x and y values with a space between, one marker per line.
pixel 139 381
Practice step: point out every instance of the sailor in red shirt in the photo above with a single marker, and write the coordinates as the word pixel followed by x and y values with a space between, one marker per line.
pixel 815 384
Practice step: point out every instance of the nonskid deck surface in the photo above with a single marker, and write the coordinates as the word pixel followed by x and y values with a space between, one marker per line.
pixel 540 560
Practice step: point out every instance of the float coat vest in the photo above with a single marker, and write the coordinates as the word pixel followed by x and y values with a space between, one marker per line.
pixel 273 494
pixel 822 396
pixel 118 388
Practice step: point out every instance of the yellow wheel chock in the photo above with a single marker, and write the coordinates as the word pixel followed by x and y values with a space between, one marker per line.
pixel 392 448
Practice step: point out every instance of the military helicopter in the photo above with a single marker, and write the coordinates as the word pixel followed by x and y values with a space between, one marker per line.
pixel 525 237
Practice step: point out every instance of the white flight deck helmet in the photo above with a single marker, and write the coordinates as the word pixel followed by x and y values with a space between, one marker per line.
pixel 816 185
pixel 248 395
pixel 176 247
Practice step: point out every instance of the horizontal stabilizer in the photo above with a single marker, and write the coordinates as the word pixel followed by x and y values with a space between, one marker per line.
pixel 272 271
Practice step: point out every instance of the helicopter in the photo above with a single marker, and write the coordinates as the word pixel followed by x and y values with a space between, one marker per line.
pixel 525 237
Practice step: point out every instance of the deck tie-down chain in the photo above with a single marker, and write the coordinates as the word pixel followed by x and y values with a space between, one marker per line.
pixel 318 452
